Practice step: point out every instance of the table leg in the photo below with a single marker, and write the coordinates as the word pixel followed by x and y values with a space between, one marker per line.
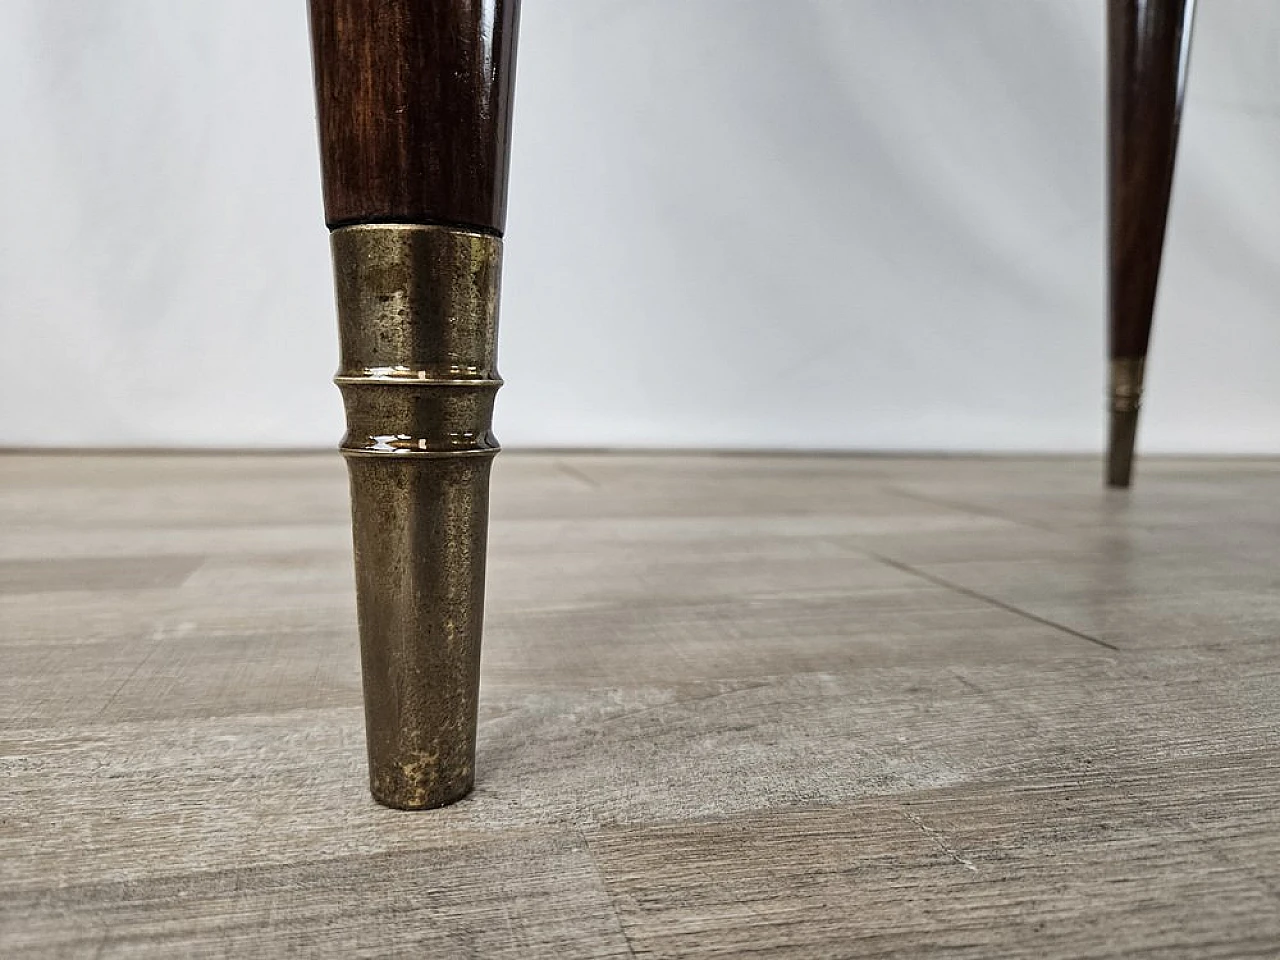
pixel 1148 42
pixel 414 104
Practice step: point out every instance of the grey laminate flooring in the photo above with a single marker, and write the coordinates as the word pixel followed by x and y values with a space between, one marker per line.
pixel 732 706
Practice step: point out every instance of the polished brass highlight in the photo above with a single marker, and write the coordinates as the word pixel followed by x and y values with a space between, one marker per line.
pixel 1125 395
pixel 417 316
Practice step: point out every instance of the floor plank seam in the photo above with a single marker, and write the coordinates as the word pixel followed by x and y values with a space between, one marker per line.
pixel 575 473
pixel 975 595
pixel 969 508
pixel 715 723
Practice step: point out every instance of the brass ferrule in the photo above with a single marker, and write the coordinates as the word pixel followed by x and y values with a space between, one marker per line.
pixel 1124 396
pixel 417 316
pixel 1125 387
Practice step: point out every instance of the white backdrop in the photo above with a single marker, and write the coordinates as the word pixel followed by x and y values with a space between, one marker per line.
pixel 740 223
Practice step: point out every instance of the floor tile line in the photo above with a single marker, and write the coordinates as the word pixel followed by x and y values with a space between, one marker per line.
pixel 963 507
pixel 974 594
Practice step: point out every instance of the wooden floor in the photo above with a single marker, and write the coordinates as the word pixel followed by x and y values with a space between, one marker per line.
pixel 732 707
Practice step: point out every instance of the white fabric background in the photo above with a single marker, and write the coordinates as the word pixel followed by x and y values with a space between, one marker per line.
pixel 740 223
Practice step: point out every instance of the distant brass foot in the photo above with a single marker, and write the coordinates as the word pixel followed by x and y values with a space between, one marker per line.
pixel 417 311
pixel 1125 400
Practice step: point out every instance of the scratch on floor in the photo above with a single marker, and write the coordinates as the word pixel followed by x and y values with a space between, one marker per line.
pixel 159 636
pixel 991 697
pixel 610 899
pixel 684 701
pixel 939 839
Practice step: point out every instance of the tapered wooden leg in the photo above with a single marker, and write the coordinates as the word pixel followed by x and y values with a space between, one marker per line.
pixel 1148 42
pixel 414 107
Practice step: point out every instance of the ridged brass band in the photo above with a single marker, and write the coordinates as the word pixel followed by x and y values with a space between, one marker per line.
pixel 417 313
pixel 1124 396
pixel 418 321
pixel 1125 387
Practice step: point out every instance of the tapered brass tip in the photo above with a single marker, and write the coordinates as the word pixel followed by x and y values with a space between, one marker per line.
pixel 1125 399
pixel 1123 434
pixel 417 313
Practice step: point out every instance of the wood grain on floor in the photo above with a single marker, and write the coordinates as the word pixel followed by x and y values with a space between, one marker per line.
pixel 732 706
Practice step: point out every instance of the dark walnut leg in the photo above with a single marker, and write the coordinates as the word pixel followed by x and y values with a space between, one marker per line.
pixel 1147 46
pixel 414 105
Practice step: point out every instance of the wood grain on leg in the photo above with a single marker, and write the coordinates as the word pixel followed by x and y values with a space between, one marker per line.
pixel 415 109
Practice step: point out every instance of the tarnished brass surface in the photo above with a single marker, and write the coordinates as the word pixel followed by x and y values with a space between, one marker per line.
pixel 417 315
pixel 1125 396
